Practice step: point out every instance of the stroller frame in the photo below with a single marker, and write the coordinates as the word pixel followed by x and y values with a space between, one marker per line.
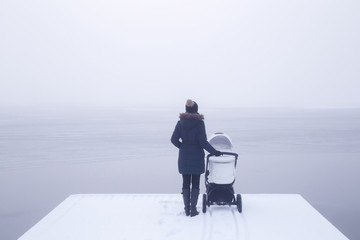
pixel 220 194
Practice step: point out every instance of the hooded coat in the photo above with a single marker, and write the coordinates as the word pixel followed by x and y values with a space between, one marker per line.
pixel 190 129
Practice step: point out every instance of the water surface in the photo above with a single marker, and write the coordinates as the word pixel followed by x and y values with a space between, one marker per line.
pixel 48 154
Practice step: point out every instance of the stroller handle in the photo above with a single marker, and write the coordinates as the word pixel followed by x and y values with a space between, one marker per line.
pixel 224 153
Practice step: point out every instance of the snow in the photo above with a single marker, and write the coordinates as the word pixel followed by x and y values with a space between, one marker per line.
pixel 161 216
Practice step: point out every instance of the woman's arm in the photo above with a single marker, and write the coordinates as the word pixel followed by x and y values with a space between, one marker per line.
pixel 203 140
pixel 175 138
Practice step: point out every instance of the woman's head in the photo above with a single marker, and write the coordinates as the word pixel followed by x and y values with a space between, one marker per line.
pixel 191 106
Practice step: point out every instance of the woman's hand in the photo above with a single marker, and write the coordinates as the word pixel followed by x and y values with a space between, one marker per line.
pixel 218 153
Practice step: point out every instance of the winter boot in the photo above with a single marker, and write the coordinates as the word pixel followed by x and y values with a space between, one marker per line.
pixel 186 197
pixel 193 202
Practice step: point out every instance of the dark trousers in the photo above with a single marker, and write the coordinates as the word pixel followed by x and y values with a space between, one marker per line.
pixel 192 179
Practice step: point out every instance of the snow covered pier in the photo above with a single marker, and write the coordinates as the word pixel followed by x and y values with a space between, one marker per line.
pixel 161 216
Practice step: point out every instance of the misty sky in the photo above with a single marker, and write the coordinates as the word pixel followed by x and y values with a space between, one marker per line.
pixel 158 52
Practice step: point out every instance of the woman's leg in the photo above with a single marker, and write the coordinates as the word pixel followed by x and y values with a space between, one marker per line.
pixel 195 181
pixel 186 193
pixel 186 181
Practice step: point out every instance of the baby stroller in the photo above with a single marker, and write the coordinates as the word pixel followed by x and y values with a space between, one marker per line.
pixel 220 175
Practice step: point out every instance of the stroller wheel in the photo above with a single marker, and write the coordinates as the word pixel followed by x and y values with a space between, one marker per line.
pixel 239 202
pixel 204 203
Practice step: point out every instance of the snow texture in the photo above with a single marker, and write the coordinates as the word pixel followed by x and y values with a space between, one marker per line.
pixel 161 216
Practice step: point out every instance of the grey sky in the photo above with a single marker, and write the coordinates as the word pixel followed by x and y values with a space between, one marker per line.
pixel 146 52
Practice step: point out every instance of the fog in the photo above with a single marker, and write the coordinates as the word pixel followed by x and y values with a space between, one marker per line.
pixel 239 60
pixel 151 53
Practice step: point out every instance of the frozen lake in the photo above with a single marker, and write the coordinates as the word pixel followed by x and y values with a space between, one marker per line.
pixel 54 153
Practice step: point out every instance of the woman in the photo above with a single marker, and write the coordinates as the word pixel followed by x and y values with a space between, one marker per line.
pixel 190 129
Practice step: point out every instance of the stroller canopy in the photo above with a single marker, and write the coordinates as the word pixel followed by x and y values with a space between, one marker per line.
pixel 221 142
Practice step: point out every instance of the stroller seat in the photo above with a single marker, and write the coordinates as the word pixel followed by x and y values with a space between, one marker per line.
pixel 221 169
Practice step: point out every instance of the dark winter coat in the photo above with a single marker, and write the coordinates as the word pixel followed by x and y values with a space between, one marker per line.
pixel 190 129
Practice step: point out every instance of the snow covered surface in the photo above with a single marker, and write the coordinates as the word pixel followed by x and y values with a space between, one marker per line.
pixel 161 216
